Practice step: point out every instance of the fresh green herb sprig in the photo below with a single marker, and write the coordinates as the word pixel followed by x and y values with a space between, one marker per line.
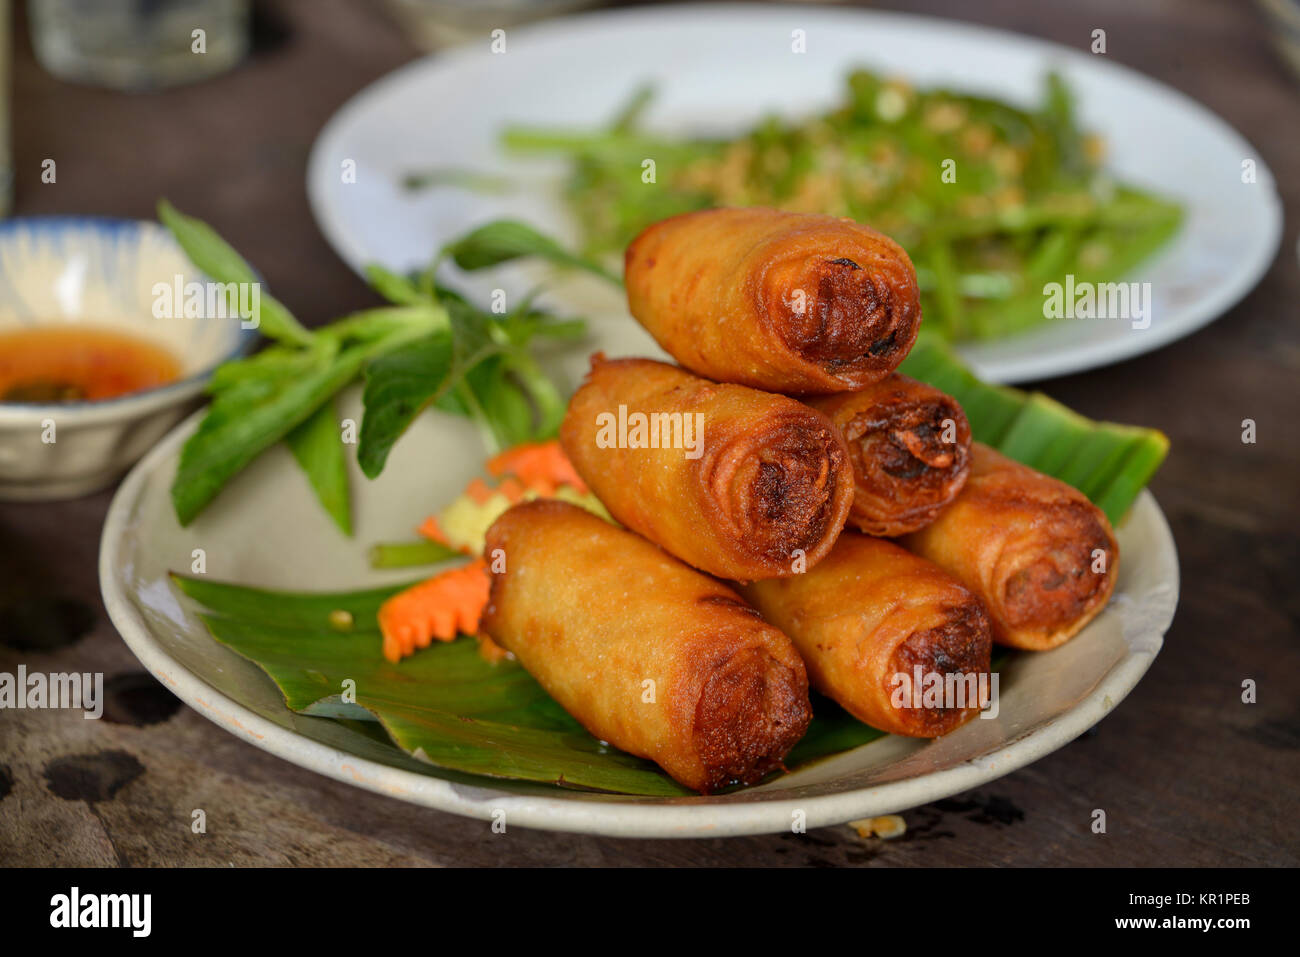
pixel 429 347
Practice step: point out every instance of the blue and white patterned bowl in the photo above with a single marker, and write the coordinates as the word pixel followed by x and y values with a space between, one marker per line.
pixel 100 273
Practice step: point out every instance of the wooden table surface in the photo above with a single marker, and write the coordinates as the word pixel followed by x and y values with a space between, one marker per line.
pixel 1188 774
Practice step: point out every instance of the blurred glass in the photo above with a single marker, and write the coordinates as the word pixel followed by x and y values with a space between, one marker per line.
pixel 138 44
pixel 6 156
pixel 439 23
pixel 1284 22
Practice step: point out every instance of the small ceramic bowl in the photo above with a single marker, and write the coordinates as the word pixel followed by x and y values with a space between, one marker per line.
pixel 99 273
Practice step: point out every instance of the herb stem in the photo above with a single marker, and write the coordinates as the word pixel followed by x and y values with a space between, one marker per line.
pixel 408 554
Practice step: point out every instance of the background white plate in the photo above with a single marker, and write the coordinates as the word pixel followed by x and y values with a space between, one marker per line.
pixel 266 528
pixel 719 68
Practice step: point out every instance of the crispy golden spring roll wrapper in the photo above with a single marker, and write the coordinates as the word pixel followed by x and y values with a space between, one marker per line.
pixel 595 612
pixel 871 612
pixel 909 445
pixel 788 302
pixel 761 488
pixel 1039 554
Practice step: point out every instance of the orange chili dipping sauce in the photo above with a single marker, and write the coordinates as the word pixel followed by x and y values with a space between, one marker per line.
pixel 75 364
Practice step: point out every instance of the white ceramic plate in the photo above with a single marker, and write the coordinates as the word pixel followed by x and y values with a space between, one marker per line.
pixel 267 529
pixel 719 68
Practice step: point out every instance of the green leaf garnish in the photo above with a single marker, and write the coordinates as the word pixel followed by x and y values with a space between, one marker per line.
pixel 317 446
pixel 264 401
pixel 431 347
pixel 503 240
pixel 215 257
pixel 394 288
pixel 398 388
pixel 247 420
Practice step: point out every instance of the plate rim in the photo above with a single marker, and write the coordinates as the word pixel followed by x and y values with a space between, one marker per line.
pixel 569 811
pixel 1014 369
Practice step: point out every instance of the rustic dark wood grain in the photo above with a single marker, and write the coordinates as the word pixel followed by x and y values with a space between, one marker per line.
pixel 1187 773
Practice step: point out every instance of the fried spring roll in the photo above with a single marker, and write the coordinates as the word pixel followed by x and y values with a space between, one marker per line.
pixel 877 628
pixel 1041 556
pixel 788 302
pixel 739 483
pixel 596 613
pixel 909 445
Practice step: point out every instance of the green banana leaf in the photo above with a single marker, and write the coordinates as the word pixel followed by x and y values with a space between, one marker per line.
pixel 1108 462
pixel 446 704
pixel 451 708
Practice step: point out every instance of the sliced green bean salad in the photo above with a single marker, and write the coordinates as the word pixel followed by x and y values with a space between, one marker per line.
pixel 991 201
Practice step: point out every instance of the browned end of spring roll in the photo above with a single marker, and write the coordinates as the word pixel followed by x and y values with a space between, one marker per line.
pixel 739 483
pixel 880 629
pixel 1041 556
pixel 789 302
pixel 909 445
pixel 648 654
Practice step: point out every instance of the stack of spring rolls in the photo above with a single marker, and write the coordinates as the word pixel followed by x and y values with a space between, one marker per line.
pixel 793 511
